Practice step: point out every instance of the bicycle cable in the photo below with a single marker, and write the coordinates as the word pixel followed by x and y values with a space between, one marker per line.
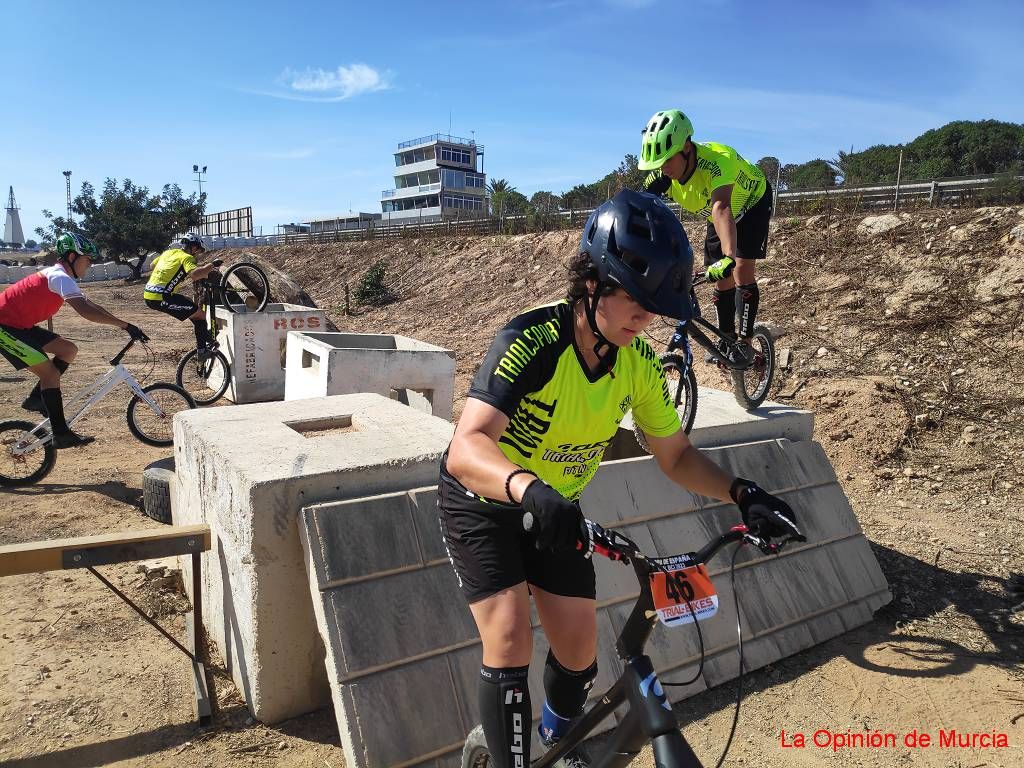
pixel 739 651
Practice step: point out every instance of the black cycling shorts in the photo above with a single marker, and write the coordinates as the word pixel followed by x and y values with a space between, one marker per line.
pixel 174 304
pixel 490 551
pixel 23 347
pixel 751 232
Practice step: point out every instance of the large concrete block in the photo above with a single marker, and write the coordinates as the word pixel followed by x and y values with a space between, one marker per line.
pixel 246 471
pixel 721 421
pixel 422 640
pixel 254 343
pixel 319 364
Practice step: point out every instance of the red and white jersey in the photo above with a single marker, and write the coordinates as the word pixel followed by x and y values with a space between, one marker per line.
pixel 37 297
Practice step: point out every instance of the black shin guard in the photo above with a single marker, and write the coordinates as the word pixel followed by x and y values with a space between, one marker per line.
pixel 504 697
pixel 725 306
pixel 203 337
pixel 750 297
pixel 54 403
pixel 566 692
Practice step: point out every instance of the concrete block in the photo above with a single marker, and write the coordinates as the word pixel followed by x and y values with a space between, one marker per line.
pixel 319 364
pixel 254 343
pixel 721 421
pixel 422 640
pixel 246 471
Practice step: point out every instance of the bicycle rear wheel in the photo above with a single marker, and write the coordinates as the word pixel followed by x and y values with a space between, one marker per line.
pixel 244 288
pixel 750 386
pixel 204 376
pixel 23 468
pixel 682 391
pixel 154 428
pixel 475 753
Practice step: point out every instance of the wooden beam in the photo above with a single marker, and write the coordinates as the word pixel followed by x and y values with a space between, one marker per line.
pixel 59 554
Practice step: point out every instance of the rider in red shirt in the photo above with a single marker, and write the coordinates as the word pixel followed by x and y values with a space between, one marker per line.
pixel 36 298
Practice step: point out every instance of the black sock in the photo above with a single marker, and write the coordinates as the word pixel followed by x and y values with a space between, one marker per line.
pixel 725 306
pixel 54 403
pixel 750 297
pixel 203 337
pixel 60 365
pixel 504 697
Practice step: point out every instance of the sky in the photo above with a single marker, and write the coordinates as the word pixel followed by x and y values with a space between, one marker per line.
pixel 297 109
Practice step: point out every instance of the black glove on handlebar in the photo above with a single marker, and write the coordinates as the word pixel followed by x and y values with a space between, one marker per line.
pixel 558 522
pixel 216 263
pixel 765 515
pixel 136 333
pixel 657 183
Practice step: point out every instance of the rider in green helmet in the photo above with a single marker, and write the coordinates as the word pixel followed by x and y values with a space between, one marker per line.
pixel 24 344
pixel 713 181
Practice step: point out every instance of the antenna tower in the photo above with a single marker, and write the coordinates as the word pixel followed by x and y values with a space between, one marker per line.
pixel 12 222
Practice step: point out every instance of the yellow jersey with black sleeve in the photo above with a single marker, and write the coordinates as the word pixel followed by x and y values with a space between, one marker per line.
pixel 561 415
pixel 717 166
pixel 169 271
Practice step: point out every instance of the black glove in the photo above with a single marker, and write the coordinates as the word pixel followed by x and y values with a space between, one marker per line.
pixel 657 183
pixel 765 515
pixel 216 263
pixel 136 333
pixel 557 522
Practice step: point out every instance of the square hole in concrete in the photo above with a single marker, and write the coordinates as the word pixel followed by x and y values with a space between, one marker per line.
pixel 310 428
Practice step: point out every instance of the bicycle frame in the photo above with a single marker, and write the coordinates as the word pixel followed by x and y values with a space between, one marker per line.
pixel 650 717
pixel 88 396
pixel 698 328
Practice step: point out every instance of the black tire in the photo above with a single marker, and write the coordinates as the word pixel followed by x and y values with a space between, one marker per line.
pixel 156 489
pixel 194 376
pixel 244 288
pixel 28 468
pixel 751 386
pixel 682 389
pixel 475 753
pixel 156 430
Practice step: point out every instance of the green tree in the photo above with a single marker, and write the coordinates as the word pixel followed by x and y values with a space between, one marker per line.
pixel 31 244
pixel 771 166
pixel 126 220
pixel 545 202
pixel 498 191
pixel 815 174
pixel 630 176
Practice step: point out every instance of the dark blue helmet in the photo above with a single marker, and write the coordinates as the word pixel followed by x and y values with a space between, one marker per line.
pixel 637 243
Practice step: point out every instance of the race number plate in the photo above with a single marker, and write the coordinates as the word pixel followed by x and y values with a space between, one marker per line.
pixel 683 582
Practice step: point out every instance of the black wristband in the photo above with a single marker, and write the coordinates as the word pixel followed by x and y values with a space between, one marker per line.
pixel 508 482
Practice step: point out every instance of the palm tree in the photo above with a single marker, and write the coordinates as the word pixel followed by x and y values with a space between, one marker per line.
pixel 498 190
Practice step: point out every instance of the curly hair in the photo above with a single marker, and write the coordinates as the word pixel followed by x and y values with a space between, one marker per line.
pixel 581 269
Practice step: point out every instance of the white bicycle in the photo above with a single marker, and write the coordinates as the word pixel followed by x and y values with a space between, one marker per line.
pixel 27 454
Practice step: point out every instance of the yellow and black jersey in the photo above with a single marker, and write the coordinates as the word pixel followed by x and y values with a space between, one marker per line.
pixel 169 271
pixel 561 415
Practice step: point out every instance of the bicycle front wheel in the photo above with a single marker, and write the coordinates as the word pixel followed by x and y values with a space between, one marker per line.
pixel 475 753
pixel 17 468
pixel 750 386
pixel 682 391
pixel 244 288
pixel 204 375
pixel 154 427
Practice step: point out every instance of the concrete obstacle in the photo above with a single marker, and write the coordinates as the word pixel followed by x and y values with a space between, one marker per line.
pixel 247 471
pixel 721 421
pixel 403 655
pixel 254 344
pixel 321 364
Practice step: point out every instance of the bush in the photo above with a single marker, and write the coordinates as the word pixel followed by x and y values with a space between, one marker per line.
pixel 373 290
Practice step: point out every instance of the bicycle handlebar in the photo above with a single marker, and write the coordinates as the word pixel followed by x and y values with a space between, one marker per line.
pixel 618 547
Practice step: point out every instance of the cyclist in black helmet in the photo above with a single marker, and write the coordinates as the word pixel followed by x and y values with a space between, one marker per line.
pixel 170 271
pixel 543 406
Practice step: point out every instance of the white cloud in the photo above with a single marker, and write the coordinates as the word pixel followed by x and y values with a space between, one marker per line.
pixel 334 85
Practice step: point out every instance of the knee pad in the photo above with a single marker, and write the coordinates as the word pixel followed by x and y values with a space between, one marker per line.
pixel 565 689
pixel 750 296
pixel 504 698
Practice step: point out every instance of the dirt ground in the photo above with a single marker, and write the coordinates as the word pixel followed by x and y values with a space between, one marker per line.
pixel 905 343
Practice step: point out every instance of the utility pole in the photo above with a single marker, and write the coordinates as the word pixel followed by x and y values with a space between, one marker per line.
pixel 199 177
pixel 899 171
pixel 67 179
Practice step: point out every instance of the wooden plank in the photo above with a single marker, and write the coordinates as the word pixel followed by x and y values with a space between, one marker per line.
pixel 39 556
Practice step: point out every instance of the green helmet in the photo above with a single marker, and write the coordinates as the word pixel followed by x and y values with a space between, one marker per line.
pixel 664 136
pixel 70 243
